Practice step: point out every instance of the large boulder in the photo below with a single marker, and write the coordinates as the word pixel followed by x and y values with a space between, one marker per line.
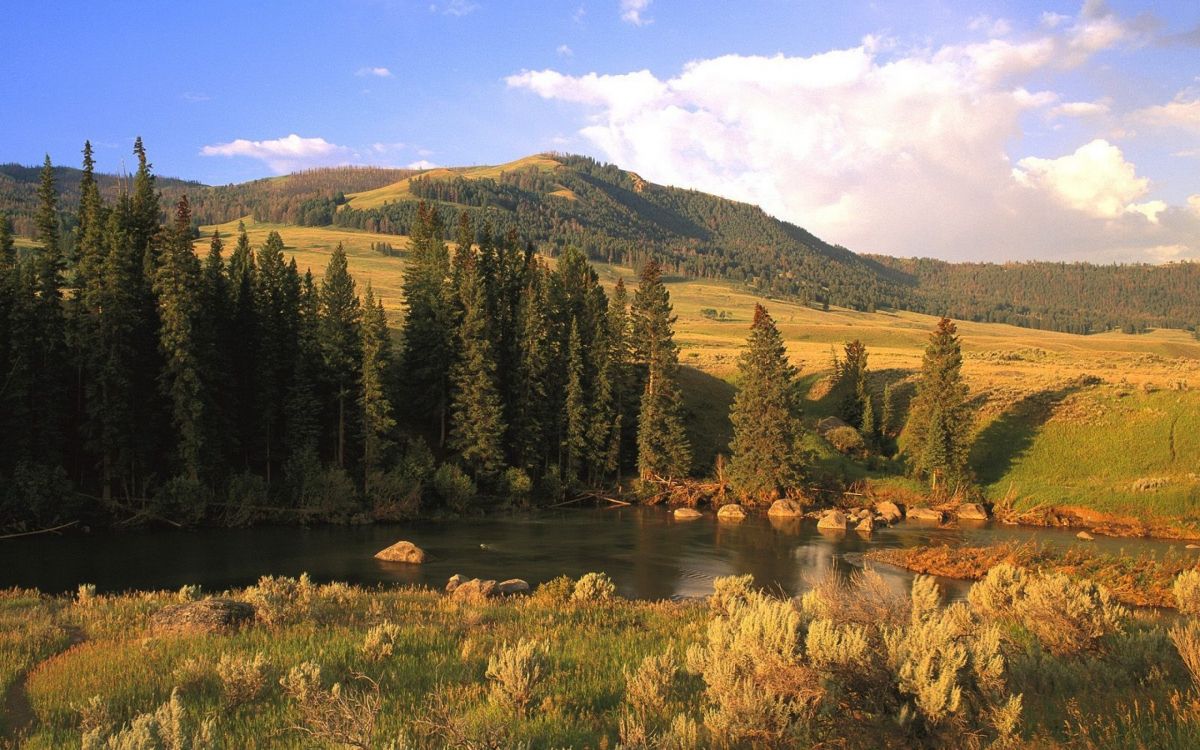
pixel 731 512
pixel 687 514
pixel 867 525
pixel 833 519
pixel 512 586
pixel 203 616
pixel 971 512
pixel 455 581
pixel 889 511
pixel 402 551
pixel 475 589
pixel 785 509
pixel 925 514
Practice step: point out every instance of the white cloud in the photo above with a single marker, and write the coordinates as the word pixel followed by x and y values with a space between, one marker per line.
pixel 990 26
pixel 1182 114
pixel 1095 179
pixel 457 8
pixel 632 12
pixel 881 150
pixel 565 51
pixel 1081 109
pixel 285 154
pixel 377 72
pixel 421 164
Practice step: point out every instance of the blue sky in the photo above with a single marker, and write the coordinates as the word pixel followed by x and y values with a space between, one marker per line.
pixel 998 130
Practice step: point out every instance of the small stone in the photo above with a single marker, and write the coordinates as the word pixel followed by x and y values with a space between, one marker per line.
pixel 785 509
pixel 1084 536
pixel 1192 546
pixel 512 586
pixel 833 519
pixel 731 512
pixel 687 514
pixel 867 525
pixel 455 581
pixel 402 551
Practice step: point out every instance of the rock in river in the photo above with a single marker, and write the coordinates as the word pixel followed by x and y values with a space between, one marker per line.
pixel 890 511
pixel 925 514
pixel 731 512
pixel 1084 536
pixel 402 551
pixel 972 512
pixel 512 586
pixel 686 514
pixel 785 509
pixel 833 519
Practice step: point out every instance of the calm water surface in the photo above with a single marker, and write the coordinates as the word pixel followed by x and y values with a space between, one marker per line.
pixel 646 552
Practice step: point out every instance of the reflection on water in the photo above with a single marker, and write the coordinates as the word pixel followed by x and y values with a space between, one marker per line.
pixel 645 551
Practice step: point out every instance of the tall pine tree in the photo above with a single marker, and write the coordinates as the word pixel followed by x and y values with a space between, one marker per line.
pixel 340 343
pixel 663 447
pixel 939 424
pixel 765 415
pixel 376 403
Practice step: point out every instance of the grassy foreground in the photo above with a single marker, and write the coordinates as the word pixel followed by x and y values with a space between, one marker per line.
pixel 1032 660
pixel 1101 429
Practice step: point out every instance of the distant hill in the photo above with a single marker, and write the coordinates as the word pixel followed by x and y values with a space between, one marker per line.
pixel 616 216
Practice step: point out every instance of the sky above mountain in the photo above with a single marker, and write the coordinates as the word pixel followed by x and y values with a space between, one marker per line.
pixel 960 130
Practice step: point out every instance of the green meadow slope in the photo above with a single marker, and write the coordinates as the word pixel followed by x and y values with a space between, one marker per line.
pixel 1107 423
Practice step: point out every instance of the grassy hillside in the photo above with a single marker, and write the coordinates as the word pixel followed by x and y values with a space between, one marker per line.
pixel 1098 422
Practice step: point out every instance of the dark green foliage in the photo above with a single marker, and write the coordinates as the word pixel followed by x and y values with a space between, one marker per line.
pixel 939 422
pixel 375 400
pixel 340 341
pixel 663 448
pixel 765 456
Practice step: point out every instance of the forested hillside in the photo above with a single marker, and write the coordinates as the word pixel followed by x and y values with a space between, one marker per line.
pixel 614 216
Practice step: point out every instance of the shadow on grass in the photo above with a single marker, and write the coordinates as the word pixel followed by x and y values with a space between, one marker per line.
pixel 1009 436
pixel 706 402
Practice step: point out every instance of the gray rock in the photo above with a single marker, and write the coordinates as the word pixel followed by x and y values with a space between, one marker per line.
pixel 512 586
pixel 402 551
pixel 890 511
pixel 474 589
pixel 925 514
pixel 731 512
pixel 971 512
pixel 833 519
pixel 785 509
pixel 204 616
pixel 867 525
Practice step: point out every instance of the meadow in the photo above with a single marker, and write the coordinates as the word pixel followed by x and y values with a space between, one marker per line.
pixel 1029 660
pixel 1102 428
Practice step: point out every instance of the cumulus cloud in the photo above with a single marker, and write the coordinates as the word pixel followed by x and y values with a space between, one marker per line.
pixel 285 154
pixel 903 152
pixel 421 164
pixel 1081 109
pixel 1182 114
pixel 632 11
pixel 377 72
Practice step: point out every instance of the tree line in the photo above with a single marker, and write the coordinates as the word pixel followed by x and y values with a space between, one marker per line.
pixel 141 381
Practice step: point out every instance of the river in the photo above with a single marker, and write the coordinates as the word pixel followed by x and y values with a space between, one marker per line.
pixel 644 550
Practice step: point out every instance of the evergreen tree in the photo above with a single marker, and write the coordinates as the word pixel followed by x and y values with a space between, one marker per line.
pixel 575 418
pixel 868 428
pixel 340 341
pixel 887 421
pixel 376 405
pixel 240 339
pixel 622 378
pixel 429 341
pixel 663 448
pixel 939 424
pixel 530 419
pixel 852 378
pixel 305 393
pixel 212 326
pixel 47 348
pixel 766 422
pixel 478 419
pixel 277 297
pixel 177 286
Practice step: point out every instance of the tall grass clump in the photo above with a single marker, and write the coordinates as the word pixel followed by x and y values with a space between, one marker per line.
pixel 337 715
pixel 1187 592
pixel 166 728
pixel 517 673
pixel 593 587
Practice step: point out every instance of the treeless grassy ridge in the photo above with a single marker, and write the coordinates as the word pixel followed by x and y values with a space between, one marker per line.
pixel 1104 424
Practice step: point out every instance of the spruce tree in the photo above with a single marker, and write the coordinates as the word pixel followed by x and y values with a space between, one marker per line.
pixel 576 412
pixel 47 346
pixel 887 421
pixel 177 286
pixel 240 339
pixel 531 421
pixel 939 425
pixel 852 377
pixel 340 342
pixel 765 415
pixel 429 340
pixel 303 418
pixel 663 448
pixel 277 297
pixel 477 430
pixel 376 404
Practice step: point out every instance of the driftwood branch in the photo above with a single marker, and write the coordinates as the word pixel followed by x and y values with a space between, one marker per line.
pixel 40 531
